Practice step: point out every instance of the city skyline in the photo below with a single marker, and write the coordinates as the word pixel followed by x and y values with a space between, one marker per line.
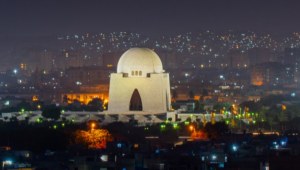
pixel 149 84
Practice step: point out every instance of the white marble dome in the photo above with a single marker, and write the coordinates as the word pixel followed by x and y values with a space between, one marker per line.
pixel 139 62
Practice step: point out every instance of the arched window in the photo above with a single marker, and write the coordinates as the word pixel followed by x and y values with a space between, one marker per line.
pixel 135 101
pixel 136 73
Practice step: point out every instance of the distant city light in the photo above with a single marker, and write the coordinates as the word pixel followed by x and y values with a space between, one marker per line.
pixel 104 158
pixel 234 148
pixel 7 103
pixel 15 71
pixel 7 162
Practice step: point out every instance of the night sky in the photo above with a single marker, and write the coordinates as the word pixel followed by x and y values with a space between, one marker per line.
pixel 150 17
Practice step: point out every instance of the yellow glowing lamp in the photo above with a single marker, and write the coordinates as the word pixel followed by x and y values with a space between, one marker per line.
pixel 35 98
pixel 93 125
pixel 191 127
pixel 283 107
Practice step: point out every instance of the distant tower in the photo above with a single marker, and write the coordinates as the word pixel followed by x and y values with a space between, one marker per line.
pixel 140 84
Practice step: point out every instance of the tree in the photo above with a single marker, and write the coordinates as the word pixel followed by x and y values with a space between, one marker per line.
pixel 51 112
pixel 75 106
pixel 216 130
pixel 220 106
pixel 95 105
pixel 24 105
pixel 198 135
pixel 251 105
pixel 93 139
pixel 271 100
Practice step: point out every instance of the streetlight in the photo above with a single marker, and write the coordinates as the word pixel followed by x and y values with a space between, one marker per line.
pixel 93 125
pixel 192 128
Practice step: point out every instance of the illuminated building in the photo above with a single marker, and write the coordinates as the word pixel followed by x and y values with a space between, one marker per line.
pixel 140 84
pixel 87 94
pixel 271 73
pixel 257 78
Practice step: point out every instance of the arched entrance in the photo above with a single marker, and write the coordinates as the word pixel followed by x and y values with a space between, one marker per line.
pixel 136 101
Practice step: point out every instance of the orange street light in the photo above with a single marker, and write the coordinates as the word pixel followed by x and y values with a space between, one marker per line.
pixel 93 125
pixel 192 128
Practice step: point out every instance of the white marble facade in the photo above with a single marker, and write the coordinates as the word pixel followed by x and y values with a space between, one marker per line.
pixel 140 85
